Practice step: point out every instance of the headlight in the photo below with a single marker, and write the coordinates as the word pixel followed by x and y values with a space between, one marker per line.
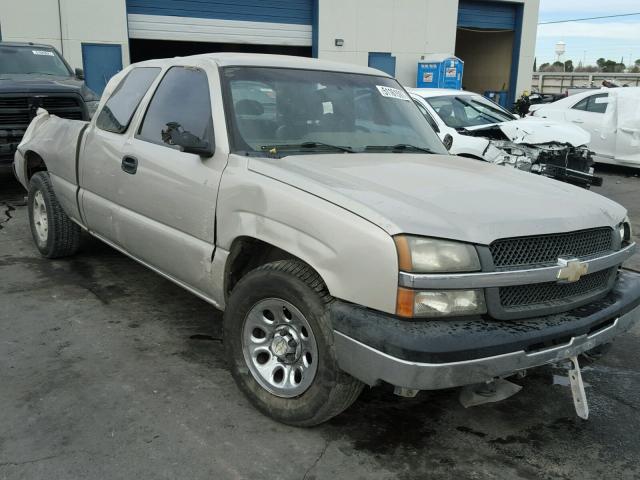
pixel 92 107
pixel 624 230
pixel 430 255
pixel 439 303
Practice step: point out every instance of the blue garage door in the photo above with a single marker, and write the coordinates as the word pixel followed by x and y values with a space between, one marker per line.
pixel 488 15
pixel 383 61
pixel 267 22
pixel 275 11
pixel 100 62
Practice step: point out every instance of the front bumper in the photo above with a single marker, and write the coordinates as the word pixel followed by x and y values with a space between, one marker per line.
pixel 430 355
pixel 568 175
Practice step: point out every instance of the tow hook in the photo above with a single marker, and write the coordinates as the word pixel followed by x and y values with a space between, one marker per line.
pixel 577 389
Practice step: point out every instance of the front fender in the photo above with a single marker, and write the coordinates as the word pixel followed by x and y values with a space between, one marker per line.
pixel 356 259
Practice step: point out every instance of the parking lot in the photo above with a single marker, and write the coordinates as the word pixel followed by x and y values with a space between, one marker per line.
pixel 109 371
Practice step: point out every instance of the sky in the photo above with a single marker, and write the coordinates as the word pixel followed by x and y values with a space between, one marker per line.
pixel 611 38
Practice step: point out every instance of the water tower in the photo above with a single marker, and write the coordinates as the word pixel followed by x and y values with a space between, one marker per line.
pixel 561 47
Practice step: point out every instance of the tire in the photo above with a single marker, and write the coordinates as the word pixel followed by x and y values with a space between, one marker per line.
pixel 323 390
pixel 54 233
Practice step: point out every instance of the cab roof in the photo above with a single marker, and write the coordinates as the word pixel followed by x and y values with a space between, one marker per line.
pixel 228 59
pixel 25 44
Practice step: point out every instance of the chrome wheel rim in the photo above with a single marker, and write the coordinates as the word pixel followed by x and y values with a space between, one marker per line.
pixel 40 217
pixel 279 348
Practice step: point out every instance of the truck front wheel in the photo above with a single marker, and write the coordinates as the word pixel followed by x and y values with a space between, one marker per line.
pixel 279 345
pixel 54 233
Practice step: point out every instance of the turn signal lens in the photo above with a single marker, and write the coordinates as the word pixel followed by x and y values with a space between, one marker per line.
pixel 439 303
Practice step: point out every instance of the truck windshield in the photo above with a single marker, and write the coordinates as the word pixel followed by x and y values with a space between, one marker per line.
pixel 31 59
pixel 460 111
pixel 290 111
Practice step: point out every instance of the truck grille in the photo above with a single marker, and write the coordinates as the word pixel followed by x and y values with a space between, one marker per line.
pixel 546 249
pixel 14 118
pixel 553 292
pixel 17 112
pixel 16 102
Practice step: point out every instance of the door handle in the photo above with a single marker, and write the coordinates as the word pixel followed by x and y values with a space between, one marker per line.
pixel 129 165
pixel 577 120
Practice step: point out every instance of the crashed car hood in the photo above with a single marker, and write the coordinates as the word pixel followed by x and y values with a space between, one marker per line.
pixel 443 195
pixel 537 131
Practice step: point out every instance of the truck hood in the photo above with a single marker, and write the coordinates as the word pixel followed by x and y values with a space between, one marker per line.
pixel 443 195
pixel 35 83
pixel 537 131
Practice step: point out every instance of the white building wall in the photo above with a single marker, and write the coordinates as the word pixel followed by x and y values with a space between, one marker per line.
pixel 83 21
pixel 406 28
pixel 528 45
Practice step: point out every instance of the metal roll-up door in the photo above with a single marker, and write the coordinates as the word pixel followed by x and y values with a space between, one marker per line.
pixel 487 15
pixel 268 22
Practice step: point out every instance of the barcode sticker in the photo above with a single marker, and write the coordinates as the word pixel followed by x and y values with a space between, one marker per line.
pixel 391 92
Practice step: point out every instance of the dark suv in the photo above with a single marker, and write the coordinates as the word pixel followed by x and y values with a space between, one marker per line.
pixel 32 76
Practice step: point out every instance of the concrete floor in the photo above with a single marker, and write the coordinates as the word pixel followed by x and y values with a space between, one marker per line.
pixel 108 371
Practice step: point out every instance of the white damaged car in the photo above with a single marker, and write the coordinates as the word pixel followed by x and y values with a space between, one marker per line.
pixel 472 126
pixel 610 115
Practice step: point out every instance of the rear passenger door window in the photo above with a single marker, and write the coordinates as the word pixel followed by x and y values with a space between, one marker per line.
pixel 119 108
pixel 596 106
pixel 182 101
pixel 590 103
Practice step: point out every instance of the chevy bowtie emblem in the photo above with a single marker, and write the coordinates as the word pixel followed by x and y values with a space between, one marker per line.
pixel 572 269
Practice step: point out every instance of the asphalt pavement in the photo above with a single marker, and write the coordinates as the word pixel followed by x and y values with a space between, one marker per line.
pixel 108 371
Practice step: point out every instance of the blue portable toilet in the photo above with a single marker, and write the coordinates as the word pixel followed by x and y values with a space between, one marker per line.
pixel 440 71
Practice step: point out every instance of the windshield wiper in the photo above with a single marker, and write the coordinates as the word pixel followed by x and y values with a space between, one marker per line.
pixel 398 148
pixel 304 146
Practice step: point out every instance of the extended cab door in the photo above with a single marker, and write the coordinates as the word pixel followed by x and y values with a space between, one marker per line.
pixel 588 113
pixel 168 196
pixel 100 166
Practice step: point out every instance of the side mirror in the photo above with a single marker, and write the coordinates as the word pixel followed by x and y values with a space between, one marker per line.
pixel 448 141
pixel 174 134
pixel 79 74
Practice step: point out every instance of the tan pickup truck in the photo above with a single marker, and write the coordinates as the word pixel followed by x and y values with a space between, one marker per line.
pixel 312 203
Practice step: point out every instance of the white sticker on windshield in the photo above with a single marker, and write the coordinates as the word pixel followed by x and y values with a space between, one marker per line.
pixel 391 92
pixel 43 52
pixel 327 107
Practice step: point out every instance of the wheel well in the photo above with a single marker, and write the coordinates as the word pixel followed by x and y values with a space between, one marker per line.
pixel 247 254
pixel 33 163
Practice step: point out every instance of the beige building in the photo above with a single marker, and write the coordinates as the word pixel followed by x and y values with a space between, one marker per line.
pixel 495 39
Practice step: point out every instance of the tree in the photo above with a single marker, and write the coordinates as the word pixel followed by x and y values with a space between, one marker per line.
pixel 568 66
pixel 544 67
pixel 535 61
pixel 587 69
pixel 610 66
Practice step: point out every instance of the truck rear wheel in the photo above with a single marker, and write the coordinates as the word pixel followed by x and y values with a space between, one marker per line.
pixel 54 233
pixel 279 345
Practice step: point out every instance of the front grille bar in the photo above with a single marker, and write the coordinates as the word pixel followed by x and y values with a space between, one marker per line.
pixel 447 281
